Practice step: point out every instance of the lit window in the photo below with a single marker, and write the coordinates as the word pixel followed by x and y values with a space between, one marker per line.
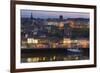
pixel 32 40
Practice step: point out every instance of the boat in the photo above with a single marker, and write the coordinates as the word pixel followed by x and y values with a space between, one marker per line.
pixel 74 50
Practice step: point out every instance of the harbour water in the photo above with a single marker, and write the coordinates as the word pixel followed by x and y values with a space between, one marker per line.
pixel 55 54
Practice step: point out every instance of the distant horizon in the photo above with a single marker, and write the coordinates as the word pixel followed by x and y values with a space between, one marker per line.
pixel 56 18
pixel 53 14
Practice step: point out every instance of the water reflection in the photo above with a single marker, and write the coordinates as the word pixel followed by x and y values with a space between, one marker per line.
pixel 53 55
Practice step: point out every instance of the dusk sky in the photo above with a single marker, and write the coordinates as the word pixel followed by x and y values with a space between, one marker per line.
pixel 53 14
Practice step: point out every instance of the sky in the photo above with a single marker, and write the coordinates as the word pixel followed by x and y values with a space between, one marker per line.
pixel 53 14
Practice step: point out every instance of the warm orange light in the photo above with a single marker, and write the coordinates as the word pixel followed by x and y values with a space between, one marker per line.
pixel 84 43
pixel 61 25
pixel 66 41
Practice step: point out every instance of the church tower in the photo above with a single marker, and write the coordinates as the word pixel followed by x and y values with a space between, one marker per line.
pixel 31 17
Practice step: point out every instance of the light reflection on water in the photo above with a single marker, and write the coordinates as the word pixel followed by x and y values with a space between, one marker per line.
pixel 62 56
pixel 54 58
